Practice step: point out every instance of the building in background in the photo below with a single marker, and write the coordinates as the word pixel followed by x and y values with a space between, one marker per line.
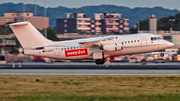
pixel 111 23
pixel 152 23
pixel 101 23
pixel 38 22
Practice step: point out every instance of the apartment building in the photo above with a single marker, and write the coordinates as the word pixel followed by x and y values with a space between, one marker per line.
pixel 111 23
pixel 101 23
pixel 39 22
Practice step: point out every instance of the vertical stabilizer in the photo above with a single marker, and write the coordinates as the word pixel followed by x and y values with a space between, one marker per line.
pixel 28 35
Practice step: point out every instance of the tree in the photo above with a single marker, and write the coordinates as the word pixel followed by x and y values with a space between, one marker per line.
pixel 178 52
pixel 5 29
pixel 14 50
pixel 144 24
pixel 51 34
pixel 133 30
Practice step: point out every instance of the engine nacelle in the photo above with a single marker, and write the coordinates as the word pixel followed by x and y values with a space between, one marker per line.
pixel 112 47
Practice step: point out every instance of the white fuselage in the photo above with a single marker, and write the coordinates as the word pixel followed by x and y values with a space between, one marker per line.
pixel 132 44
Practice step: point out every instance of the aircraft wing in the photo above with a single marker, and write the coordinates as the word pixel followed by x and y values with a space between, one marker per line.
pixel 89 43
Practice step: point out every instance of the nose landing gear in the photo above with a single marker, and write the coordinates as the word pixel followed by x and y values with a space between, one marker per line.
pixel 162 54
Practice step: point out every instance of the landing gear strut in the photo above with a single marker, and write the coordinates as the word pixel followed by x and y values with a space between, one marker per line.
pixel 162 54
pixel 100 61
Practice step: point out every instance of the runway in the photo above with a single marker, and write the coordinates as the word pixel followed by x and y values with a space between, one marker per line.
pixel 87 72
pixel 85 69
pixel 92 65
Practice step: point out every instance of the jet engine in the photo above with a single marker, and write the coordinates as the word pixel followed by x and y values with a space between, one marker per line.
pixel 112 46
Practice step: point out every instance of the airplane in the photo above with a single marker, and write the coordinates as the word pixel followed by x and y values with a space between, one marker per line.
pixel 99 48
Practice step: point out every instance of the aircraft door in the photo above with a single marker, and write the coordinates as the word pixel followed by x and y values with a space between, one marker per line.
pixel 56 51
pixel 143 41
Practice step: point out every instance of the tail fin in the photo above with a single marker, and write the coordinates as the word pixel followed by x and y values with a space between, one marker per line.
pixel 28 35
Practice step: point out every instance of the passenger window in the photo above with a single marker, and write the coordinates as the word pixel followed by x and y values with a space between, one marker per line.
pixel 131 41
pixel 116 37
pixel 134 40
pixel 62 49
pixel 71 47
pixel 68 48
pixel 137 40
pixel 125 42
pixel 128 41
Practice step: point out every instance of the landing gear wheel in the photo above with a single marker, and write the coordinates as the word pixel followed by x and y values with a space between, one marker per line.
pixel 162 54
pixel 99 61
pixel 143 62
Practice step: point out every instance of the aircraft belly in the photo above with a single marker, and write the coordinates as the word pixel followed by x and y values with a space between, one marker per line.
pixel 115 53
pixel 144 49
pixel 135 50
pixel 77 57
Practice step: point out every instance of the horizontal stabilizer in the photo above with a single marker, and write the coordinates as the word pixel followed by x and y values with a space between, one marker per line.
pixel 20 23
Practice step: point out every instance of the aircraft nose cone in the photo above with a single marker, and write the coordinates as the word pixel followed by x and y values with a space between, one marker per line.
pixel 170 44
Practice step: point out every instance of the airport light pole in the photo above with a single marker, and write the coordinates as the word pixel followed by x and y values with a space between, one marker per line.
pixel 45 29
pixel 23 9
pixel 171 20
pixel 35 12
pixel 138 27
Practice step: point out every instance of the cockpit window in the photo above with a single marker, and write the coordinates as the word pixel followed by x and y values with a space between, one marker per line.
pixel 155 38
pixel 158 38
pixel 152 38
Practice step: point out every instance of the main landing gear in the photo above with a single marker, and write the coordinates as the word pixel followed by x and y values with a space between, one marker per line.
pixel 100 61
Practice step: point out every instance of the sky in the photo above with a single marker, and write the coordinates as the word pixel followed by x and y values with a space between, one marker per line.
pixel 169 4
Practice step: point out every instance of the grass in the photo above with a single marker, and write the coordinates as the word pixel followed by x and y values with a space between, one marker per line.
pixel 159 97
pixel 89 88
